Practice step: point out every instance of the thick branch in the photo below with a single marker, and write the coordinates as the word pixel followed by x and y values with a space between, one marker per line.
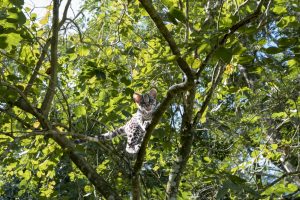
pixel 176 89
pixel 24 104
pixel 168 37
pixel 189 83
pixel 54 64
pixel 234 28
pixel 44 52
pixel 37 67
pixel 100 184
pixel 187 126
pixel 186 141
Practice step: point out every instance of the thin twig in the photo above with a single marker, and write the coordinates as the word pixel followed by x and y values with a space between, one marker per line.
pixel 13 115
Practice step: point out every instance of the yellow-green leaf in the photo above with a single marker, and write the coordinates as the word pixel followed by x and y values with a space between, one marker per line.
pixel 80 111
pixel 83 51
pixel 274 146
pixel 207 159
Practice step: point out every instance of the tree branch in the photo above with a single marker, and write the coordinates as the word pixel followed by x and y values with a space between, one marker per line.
pixel 279 179
pixel 60 137
pixel 13 115
pixel 215 82
pixel 44 52
pixel 100 184
pixel 175 89
pixel 45 108
pixel 37 67
pixel 235 27
pixel 186 138
pixel 186 141
pixel 168 37
pixel 231 31
pixel 24 104
pixel 189 83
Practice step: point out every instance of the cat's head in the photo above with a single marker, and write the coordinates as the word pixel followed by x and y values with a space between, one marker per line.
pixel 146 102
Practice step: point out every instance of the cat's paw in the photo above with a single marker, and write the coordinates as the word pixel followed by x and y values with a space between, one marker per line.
pixel 146 124
pixel 132 150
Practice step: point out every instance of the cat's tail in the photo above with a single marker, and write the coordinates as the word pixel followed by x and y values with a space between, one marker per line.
pixel 110 135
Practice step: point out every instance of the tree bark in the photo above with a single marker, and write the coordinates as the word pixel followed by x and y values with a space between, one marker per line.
pixel 185 146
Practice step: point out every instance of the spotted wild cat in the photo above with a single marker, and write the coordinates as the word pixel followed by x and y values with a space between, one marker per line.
pixel 135 128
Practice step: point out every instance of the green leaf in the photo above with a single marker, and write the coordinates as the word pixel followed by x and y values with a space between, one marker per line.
pixel 202 47
pixel 17 3
pixel 273 50
pixel 7 41
pixel 292 187
pixel 292 63
pixel 245 59
pixel 16 16
pixel 207 159
pixel 88 188
pixel 79 111
pixel 168 3
pixel 177 14
pixel 27 175
pixel 280 115
pixel 21 192
pixel 274 146
pixel 279 10
pixel 39 174
pixel 83 51
pixel 287 42
pixel 171 58
pixel 285 21
pixel 255 154
pixel 262 42
pixel 239 49
pixel 155 168
pixel 224 54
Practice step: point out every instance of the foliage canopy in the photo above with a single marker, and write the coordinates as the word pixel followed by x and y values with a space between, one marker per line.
pixel 227 75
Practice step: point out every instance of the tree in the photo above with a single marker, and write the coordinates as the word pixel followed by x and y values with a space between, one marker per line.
pixel 227 125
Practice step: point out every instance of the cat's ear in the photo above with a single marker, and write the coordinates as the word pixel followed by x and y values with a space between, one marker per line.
pixel 153 93
pixel 137 97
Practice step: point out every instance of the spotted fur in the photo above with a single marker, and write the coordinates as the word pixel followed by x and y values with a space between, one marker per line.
pixel 135 128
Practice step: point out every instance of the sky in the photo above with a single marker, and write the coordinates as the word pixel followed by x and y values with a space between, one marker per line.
pixel 39 7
